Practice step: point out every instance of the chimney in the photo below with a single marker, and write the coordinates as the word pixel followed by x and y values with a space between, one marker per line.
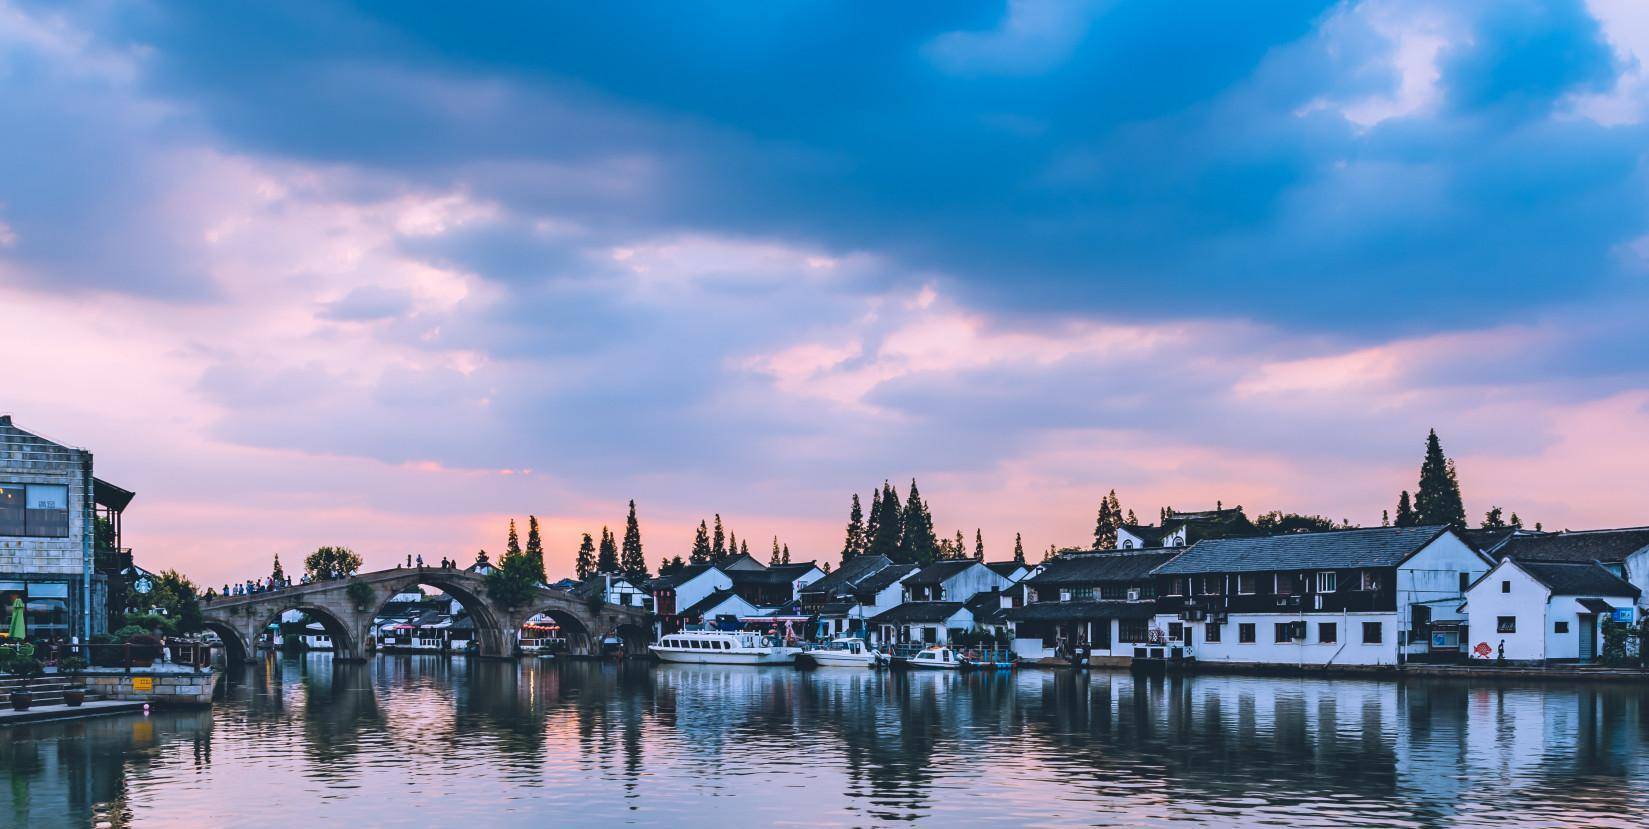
pixel 5 420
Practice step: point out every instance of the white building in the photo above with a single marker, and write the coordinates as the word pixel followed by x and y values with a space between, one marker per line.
pixel 1544 611
pixel 682 589
pixel 953 581
pixel 928 623
pixel 1349 597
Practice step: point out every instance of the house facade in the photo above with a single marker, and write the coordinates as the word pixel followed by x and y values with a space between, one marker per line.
pixel 678 591
pixel 1545 611
pixel 921 623
pixel 953 581
pixel 1624 552
pixel 1103 602
pixel 1362 597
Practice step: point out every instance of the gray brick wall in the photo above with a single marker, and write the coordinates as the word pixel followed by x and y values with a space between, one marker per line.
pixel 26 458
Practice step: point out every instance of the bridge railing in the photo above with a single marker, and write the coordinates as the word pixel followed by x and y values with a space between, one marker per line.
pixel 183 653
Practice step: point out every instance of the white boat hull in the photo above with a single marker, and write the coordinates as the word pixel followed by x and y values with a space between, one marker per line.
pixel 831 659
pixel 691 656
pixel 930 665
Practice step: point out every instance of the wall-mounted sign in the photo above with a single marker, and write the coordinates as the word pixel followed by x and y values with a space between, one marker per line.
pixel 143 585
pixel 145 684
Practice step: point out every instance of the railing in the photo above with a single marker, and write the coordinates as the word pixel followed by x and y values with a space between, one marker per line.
pixel 183 653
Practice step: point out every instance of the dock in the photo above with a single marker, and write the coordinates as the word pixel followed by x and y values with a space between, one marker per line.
pixel 51 713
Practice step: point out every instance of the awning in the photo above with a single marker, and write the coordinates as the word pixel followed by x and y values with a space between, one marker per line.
pixel 1596 605
pixel 111 496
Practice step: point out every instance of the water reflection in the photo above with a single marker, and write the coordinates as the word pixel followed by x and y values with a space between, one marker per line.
pixel 420 740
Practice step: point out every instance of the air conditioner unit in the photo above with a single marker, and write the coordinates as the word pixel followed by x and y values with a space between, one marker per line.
pixel 1219 618
pixel 1133 594
pixel 1195 615
pixel 1317 602
pixel 1291 601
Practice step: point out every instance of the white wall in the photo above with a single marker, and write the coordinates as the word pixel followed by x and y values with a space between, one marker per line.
pixel 1434 573
pixel 1526 600
pixel 1637 570
pixel 971 582
pixel 801 584
pixel 694 590
pixel 1347 649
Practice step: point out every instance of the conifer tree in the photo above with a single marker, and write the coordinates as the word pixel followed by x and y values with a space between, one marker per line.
pixel 1385 518
pixel 277 573
pixel 873 522
pixel 632 560
pixel 606 560
pixel 1048 554
pixel 1516 521
pixel 718 542
pixel 1492 519
pixel 854 545
pixel 773 560
pixel 1132 521
pixel 978 544
pixel 512 544
pixel 732 544
pixel 535 549
pixel 584 565
pixel 1405 512
pixel 917 542
pixel 701 545
pixel 784 557
pixel 959 546
pixel 885 541
pixel 744 548
pixel 1437 499
pixel 482 561
pixel 1018 549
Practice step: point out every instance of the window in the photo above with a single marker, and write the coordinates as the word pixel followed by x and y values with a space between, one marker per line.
pixel 1373 633
pixel 1284 631
pixel 1211 585
pixel 1560 627
pixel 1371 580
pixel 1505 587
pixel 1327 632
pixel 1176 631
pixel 1128 544
pixel 1248 584
pixel 1113 592
pixel 1082 594
pixel 1505 624
pixel 1133 630
pixel 34 509
pixel 1327 581
pixel 1211 633
pixel 1465 581
pixel 1245 632
pixel 1179 541
pixel 1176 586
pixel 1283 584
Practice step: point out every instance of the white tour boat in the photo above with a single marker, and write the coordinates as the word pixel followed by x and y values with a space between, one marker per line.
pixel 707 647
pixel 935 658
pixel 845 652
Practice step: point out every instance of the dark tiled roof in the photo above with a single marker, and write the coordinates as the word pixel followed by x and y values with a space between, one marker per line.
pixel 1005 569
pixel 1210 524
pixel 708 602
pixel 1149 533
pixel 1609 546
pixel 1487 540
pixel 681 577
pixel 835 608
pixel 1080 611
pixel 882 580
pixel 917 612
pixel 782 574
pixel 986 607
pixel 939 571
pixel 1095 568
pixel 1573 579
pixel 845 577
pixel 1374 547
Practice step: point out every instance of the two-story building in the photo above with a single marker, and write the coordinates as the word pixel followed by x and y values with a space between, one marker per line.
pixel 674 593
pixel 1348 597
pixel 1103 602
pixel 775 586
pixel 1546 611
pixel 1624 552
pixel 953 580
pixel 60 546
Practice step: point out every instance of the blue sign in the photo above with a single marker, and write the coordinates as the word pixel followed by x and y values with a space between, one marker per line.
pixel 1623 615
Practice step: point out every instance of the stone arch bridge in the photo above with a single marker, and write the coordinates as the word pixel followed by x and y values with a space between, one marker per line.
pixel 239 620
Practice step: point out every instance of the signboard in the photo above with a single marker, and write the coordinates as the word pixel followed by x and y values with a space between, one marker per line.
pixel 145 684
pixel 1623 615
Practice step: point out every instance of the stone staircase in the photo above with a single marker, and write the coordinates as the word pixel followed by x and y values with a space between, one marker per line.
pixel 47 690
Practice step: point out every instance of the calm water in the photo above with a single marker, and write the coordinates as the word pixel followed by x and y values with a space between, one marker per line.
pixel 420 741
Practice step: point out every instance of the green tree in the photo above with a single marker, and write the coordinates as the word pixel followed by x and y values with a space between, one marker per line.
pixel 978 544
pixel 888 525
pixel 606 560
pixel 633 562
pixel 732 544
pixel 744 548
pixel 1018 549
pixel 1277 522
pixel 1437 499
pixel 1516 521
pixel 276 573
pixel 701 545
pixel 1110 519
pixel 512 544
pixel 584 565
pixel 784 557
pixel 1405 512
pixel 854 544
pixel 1132 521
pixel 331 563
pixel 917 542
pixel 873 524
pixel 177 596
pixel 718 542
pixel 482 561
pixel 773 560
pixel 535 549
pixel 960 545
pixel 513 582
pixel 1492 519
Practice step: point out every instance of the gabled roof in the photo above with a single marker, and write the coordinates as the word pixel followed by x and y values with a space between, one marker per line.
pixel 1489 540
pixel 778 574
pixel 1080 611
pixel 681 577
pixel 1565 578
pixel 883 579
pixel 850 574
pixel 986 607
pixel 1151 534
pixel 1608 546
pixel 917 613
pixel 1005 569
pixel 1372 547
pixel 1109 566
pixel 741 561
pixel 939 572
pixel 708 603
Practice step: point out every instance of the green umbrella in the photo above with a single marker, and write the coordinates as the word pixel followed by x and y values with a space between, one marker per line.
pixel 18 631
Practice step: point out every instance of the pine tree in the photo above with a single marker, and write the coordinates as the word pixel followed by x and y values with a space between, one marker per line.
pixel 512 545
pixel 632 560
pixel 732 544
pixel 1437 499
pixel 960 545
pixel 1385 518
pixel 584 565
pixel 1132 521
pixel 701 545
pixel 718 542
pixel 1492 519
pixel 1516 521
pixel 1018 549
pixel 854 545
pixel 277 574
pixel 1405 513
pixel 873 523
pixel 482 561
pixel 978 544
pixel 888 531
pixel 1048 554
pixel 784 557
pixel 773 561
pixel 606 560
pixel 1110 518
pixel 744 548
pixel 535 549
pixel 917 542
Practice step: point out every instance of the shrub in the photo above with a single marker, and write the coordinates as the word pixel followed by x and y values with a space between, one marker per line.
pixel 144 646
pixel 71 665
pixel 360 593
pixel 126 633
pixel 22 667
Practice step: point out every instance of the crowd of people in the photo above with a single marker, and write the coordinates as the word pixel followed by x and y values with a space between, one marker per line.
pixel 269 584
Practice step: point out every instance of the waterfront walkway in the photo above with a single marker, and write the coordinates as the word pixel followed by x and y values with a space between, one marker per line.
pixel 47 713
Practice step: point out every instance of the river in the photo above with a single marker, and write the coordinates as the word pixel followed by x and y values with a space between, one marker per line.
pixel 412 741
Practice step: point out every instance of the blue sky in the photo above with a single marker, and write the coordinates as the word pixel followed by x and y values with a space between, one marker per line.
pixel 384 274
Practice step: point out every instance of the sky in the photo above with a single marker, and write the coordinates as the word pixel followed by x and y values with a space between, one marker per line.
pixel 386 275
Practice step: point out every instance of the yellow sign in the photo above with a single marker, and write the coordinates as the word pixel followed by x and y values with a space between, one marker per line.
pixel 143 683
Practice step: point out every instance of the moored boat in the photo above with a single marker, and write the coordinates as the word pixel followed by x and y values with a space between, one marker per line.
pixel 705 647
pixel 934 658
pixel 844 652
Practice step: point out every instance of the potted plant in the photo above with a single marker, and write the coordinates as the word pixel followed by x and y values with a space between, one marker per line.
pixel 144 649
pixel 72 666
pixel 26 669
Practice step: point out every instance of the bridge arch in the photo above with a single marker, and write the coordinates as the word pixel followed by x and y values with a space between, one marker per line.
pixel 468 591
pixel 236 650
pixel 346 641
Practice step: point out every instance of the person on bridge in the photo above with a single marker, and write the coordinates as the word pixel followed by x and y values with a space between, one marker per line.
pixel 420 559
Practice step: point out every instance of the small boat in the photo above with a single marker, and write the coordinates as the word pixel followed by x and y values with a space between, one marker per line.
pixel 934 658
pixel 845 652
pixel 705 647
pixel 989 659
